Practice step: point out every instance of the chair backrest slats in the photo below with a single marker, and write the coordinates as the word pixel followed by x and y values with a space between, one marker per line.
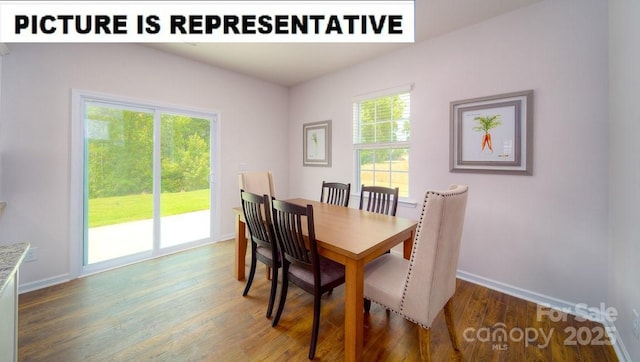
pixel 289 225
pixel 257 216
pixel 381 200
pixel 335 193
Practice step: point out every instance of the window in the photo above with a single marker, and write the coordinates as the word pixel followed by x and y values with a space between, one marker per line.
pixel 381 132
pixel 141 172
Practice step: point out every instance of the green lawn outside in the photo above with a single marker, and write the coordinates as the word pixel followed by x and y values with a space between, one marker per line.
pixel 119 209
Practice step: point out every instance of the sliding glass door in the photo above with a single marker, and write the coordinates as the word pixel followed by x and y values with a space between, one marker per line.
pixel 185 212
pixel 147 181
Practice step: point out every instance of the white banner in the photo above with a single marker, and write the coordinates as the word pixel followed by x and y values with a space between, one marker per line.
pixel 207 21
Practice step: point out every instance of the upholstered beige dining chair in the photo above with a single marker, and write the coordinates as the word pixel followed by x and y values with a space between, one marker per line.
pixel 257 182
pixel 419 288
pixel 260 183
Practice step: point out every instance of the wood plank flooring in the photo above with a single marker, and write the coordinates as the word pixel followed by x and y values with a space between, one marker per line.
pixel 188 307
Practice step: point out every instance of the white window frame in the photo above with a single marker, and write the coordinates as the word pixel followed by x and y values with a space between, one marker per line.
pixel 357 147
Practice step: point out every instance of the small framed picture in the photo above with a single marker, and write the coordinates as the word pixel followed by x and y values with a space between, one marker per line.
pixel 317 144
pixel 492 134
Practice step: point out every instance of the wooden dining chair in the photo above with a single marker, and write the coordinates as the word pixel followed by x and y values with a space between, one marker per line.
pixel 419 288
pixel 301 264
pixel 335 193
pixel 259 183
pixel 381 200
pixel 257 215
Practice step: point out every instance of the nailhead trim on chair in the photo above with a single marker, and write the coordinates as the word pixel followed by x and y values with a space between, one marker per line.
pixel 415 247
pixel 413 255
pixel 413 252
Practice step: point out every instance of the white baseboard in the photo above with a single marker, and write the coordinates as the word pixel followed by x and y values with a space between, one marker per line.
pixel 227 236
pixel 618 347
pixel 39 284
pixel 63 278
pixel 518 292
pixel 576 309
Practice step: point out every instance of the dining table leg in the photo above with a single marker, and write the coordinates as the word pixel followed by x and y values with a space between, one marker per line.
pixel 407 246
pixel 353 310
pixel 241 248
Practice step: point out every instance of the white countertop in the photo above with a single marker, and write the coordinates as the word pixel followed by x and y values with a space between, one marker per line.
pixel 11 257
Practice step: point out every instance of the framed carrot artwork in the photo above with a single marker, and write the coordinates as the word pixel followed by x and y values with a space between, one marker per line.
pixel 492 134
pixel 316 139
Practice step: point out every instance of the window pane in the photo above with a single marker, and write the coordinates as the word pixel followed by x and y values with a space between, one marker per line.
pixel 119 181
pixel 385 108
pixel 367 111
pixel 366 177
pixel 382 159
pixel 385 167
pixel 185 190
pixel 120 152
pixel 185 154
pixel 379 123
pixel 366 159
pixel 400 159
pixel 400 171
pixel 384 119
pixel 382 179
pixel 384 131
pixel 402 131
pixel 368 132
pixel 401 181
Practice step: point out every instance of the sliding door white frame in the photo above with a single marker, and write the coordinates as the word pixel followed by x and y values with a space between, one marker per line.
pixel 77 184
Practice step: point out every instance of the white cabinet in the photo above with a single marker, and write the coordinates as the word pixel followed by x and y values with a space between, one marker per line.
pixel 9 324
pixel 11 257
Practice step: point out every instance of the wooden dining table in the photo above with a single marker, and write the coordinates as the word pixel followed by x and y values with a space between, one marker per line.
pixel 351 237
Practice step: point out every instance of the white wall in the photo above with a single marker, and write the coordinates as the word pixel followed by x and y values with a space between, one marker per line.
pixel 3 51
pixel 35 140
pixel 545 233
pixel 624 59
pixel 1 55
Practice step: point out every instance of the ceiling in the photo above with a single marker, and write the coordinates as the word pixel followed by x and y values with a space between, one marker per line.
pixel 289 64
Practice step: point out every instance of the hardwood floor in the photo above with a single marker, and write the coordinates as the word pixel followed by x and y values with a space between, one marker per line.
pixel 189 307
